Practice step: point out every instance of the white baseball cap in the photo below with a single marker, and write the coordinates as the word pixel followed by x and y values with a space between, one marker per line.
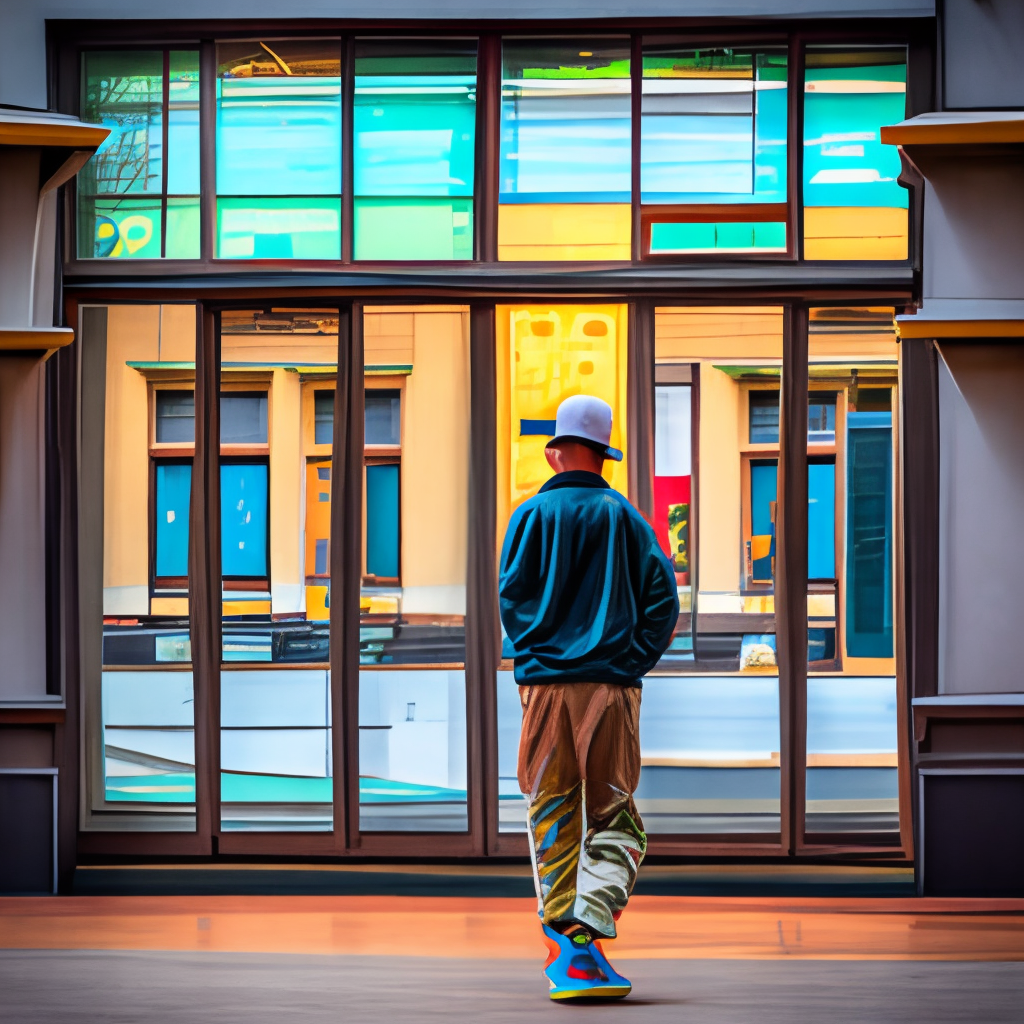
pixel 587 420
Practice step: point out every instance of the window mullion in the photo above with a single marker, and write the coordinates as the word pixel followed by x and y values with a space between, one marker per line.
pixel 791 575
pixel 207 150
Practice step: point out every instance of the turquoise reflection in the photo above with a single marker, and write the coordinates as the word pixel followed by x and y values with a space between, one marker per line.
pixel 414 135
pixel 845 163
pixel 565 141
pixel 279 136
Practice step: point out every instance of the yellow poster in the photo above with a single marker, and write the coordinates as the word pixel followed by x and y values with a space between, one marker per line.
pixel 546 353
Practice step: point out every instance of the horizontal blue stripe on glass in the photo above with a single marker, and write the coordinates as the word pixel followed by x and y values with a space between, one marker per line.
pixel 536 428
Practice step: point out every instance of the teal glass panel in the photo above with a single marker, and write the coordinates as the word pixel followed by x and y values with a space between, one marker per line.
pixel 243 519
pixel 413 229
pixel 848 96
pixel 565 121
pixel 382 521
pixel 119 228
pixel 869 513
pixel 123 91
pixel 673 238
pixel 714 126
pixel 173 492
pixel 183 123
pixel 279 118
pixel 182 229
pixel 764 485
pixel 304 229
pixel 415 118
pixel 821 520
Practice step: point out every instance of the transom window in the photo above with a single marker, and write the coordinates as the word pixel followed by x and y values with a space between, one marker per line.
pixel 392 169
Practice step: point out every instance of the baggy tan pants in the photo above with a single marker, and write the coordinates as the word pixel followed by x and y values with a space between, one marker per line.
pixel 579 764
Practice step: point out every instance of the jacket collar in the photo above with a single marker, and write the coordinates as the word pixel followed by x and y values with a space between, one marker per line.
pixel 575 478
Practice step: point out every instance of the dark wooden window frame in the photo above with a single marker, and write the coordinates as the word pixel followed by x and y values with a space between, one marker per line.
pixel 482 633
pixel 781 279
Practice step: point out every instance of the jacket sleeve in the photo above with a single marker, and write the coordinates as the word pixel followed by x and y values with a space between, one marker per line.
pixel 519 572
pixel 658 604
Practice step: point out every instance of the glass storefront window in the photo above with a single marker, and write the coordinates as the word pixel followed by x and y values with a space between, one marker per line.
pixel 854 208
pixel 713 150
pixel 415 136
pixel 276 763
pixel 546 353
pixel 412 615
pixel 711 748
pixel 565 168
pixel 852 749
pixel 136 200
pixel 141 748
pixel 279 149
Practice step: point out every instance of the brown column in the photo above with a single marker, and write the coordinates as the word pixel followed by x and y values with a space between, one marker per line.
pixel 488 134
pixel 346 564
pixel 204 578
pixel 483 634
pixel 640 405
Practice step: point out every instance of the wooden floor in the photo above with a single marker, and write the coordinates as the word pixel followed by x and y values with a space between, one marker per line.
pixel 653 928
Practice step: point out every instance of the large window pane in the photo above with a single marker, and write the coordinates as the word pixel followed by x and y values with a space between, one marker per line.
pixel 714 135
pixel 415 131
pixel 278 365
pixel 544 355
pixel 129 92
pixel 124 91
pixel 854 209
pixel 412 689
pixel 279 135
pixel 852 750
pixel 565 175
pixel 710 730
pixel 139 702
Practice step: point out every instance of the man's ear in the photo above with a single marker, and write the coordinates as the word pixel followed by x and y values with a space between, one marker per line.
pixel 554 457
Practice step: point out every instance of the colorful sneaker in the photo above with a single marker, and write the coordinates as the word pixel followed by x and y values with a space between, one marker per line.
pixel 578 969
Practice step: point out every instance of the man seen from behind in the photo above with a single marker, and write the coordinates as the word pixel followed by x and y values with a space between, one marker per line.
pixel 589 603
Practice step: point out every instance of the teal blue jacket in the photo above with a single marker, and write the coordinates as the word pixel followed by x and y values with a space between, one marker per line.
pixel 586 594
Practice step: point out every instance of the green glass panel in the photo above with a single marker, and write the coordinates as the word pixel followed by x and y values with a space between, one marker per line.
pixel 182 229
pixel 119 228
pixel 123 90
pixel 729 236
pixel 301 229
pixel 413 229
